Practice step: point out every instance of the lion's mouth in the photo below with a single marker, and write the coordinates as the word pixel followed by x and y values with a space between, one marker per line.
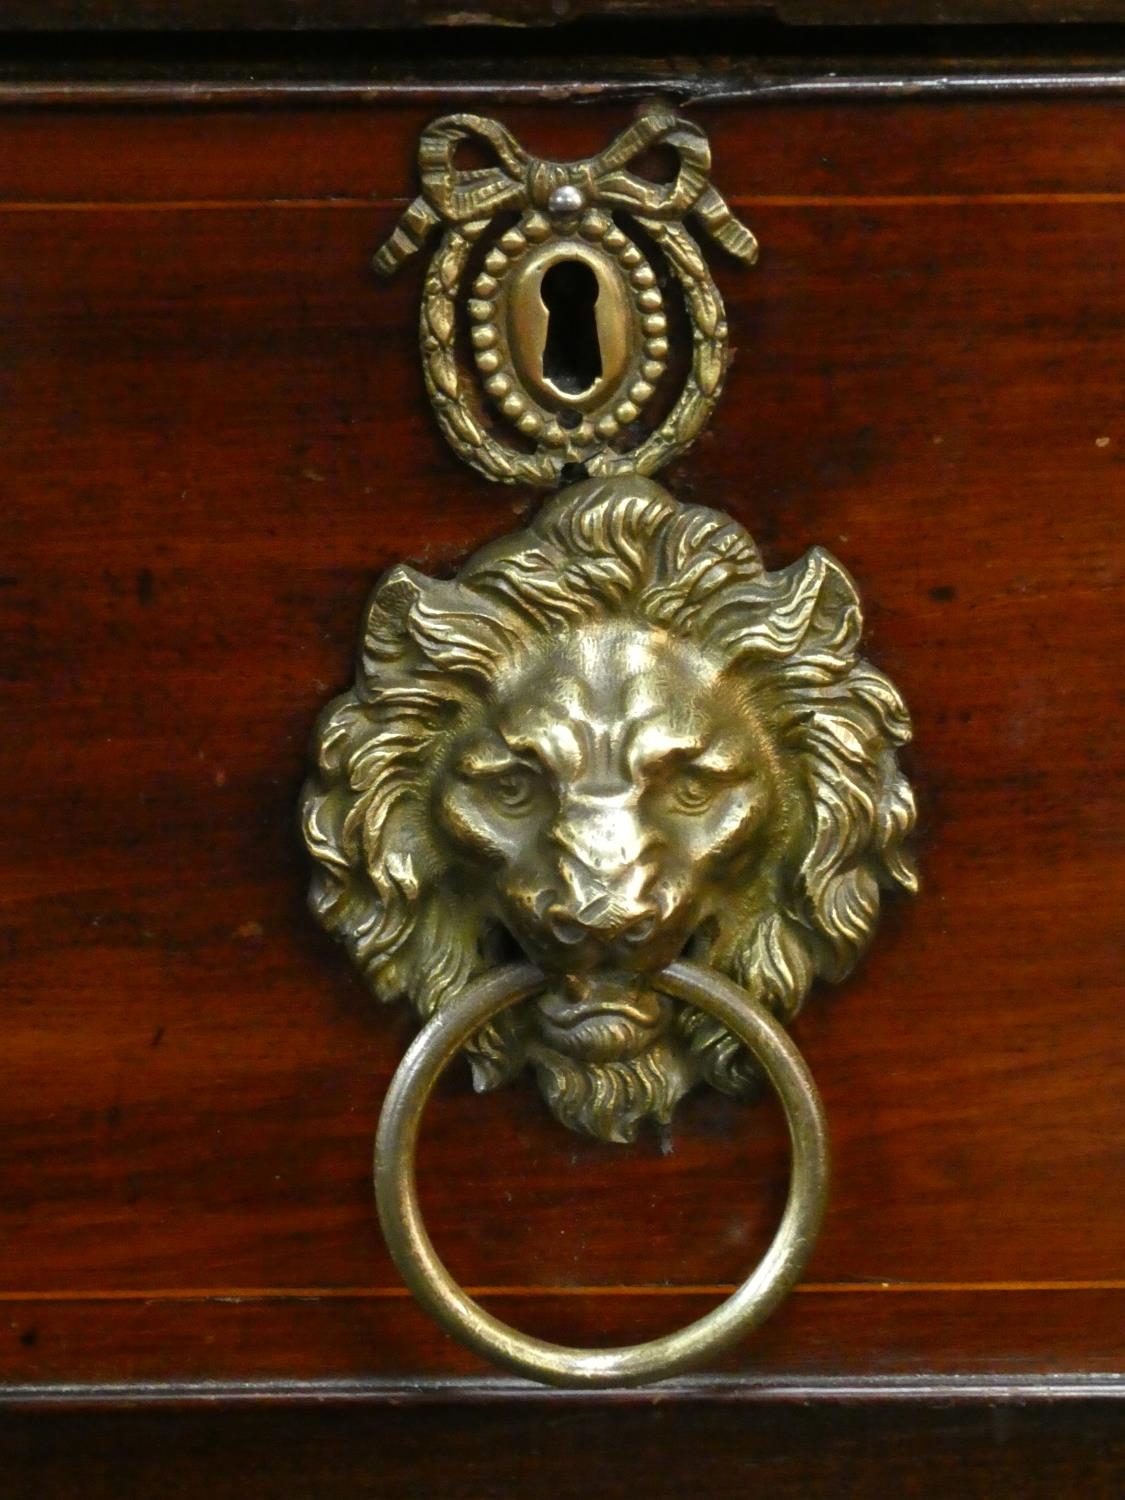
pixel 602 1017
pixel 566 1016
pixel 581 996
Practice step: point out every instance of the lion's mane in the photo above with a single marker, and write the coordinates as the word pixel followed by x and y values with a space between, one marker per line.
pixel 609 549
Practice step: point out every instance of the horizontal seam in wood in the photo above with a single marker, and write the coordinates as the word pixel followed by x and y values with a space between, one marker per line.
pixel 359 1293
pixel 704 88
pixel 766 200
pixel 112 1396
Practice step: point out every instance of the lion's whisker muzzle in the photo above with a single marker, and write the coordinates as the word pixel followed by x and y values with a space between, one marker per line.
pixel 602 920
pixel 563 927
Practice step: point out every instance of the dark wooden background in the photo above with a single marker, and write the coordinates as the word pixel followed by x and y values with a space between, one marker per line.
pixel 214 437
pixel 314 15
pixel 499 1452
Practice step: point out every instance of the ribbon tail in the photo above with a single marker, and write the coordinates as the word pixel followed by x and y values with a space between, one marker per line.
pixel 407 238
pixel 734 236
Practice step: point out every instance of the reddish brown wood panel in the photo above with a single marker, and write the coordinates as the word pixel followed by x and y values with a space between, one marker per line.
pixel 348 157
pixel 892 1340
pixel 215 437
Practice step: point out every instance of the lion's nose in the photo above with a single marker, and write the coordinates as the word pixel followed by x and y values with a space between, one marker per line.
pixel 603 919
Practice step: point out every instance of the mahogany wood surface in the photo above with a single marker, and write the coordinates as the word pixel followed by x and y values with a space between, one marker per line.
pixel 215 437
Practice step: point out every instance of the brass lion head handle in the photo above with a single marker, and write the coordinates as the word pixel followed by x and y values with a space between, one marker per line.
pixel 615 750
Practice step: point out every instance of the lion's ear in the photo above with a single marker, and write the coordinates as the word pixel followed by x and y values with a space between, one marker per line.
pixel 387 624
pixel 809 611
pixel 398 591
pixel 451 626
pixel 829 602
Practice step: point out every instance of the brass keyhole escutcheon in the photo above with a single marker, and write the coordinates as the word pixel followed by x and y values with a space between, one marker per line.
pixel 569 326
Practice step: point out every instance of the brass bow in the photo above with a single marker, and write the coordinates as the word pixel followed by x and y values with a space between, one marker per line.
pixel 452 195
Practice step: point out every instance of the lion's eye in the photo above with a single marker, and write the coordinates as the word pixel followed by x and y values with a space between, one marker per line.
pixel 513 790
pixel 692 791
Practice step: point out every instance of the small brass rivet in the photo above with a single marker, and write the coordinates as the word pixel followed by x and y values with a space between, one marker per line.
pixel 485 286
pixel 644 276
pixel 513 242
pixel 658 348
pixel 652 369
pixel 488 360
pixel 654 323
pixel 485 336
pixel 649 299
pixel 511 406
pixel 536 228
pixel 640 392
pixel 631 256
pixel 529 423
pixel 479 310
pixel 498 385
pixel 566 199
pixel 495 261
pixel 607 427
pixel 626 413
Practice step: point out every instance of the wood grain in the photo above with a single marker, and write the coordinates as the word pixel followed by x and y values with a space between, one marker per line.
pixel 215 437
pixel 376 1345
pixel 363 156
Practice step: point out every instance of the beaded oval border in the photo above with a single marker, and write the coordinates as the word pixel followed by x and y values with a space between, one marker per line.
pixel 471 440
pixel 493 354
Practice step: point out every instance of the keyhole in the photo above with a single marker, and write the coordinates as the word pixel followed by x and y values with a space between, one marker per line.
pixel 572 352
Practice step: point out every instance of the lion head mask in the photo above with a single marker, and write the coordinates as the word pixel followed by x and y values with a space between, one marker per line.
pixel 612 740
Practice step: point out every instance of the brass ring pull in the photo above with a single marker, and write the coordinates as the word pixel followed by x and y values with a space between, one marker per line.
pixel 749 1306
